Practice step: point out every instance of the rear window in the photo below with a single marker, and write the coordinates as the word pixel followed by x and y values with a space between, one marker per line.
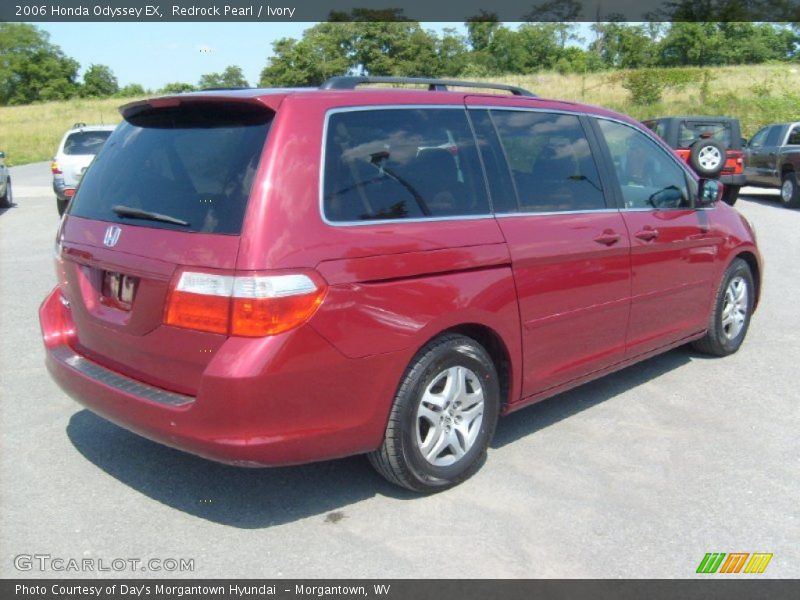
pixel 85 142
pixel 194 163
pixel 401 164
pixel 691 131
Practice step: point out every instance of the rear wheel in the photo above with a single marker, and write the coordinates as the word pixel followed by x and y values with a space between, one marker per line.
pixel 730 194
pixel 443 416
pixel 7 199
pixel 733 307
pixel 790 194
pixel 61 205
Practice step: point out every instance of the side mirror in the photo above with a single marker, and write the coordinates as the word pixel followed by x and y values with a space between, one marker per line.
pixel 2 154
pixel 744 142
pixel 710 192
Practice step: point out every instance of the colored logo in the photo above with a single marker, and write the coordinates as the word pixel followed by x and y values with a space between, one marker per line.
pixel 735 562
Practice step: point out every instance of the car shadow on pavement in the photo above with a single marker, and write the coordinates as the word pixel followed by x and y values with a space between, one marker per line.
pixel 763 200
pixel 258 498
pixel 235 496
pixel 531 419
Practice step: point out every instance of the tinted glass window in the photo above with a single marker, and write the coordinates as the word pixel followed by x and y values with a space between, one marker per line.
pixel 690 131
pixel 195 163
pixel 85 142
pixel 551 161
pixel 758 138
pixel 501 188
pixel 774 135
pixel 401 164
pixel 794 136
pixel 647 175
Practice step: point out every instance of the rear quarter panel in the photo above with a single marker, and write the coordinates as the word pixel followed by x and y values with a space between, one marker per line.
pixel 392 286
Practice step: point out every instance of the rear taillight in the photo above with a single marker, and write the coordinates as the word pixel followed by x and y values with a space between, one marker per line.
pixel 55 169
pixel 248 305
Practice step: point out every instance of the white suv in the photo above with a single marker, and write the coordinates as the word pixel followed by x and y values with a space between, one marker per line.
pixel 75 152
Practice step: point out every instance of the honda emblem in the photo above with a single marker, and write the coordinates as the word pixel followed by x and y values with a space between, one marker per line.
pixel 112 236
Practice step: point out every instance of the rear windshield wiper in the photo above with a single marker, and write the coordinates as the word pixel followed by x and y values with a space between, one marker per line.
pixel 129 211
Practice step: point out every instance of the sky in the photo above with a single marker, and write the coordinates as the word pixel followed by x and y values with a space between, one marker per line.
pixel 153 54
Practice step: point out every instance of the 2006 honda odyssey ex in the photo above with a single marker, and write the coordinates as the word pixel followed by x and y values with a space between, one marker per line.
pixel 269 277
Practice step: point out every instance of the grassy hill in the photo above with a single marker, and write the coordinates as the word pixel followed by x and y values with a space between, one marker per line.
pixel 757 95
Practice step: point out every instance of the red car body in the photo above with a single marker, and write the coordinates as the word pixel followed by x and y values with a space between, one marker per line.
pixel 555 307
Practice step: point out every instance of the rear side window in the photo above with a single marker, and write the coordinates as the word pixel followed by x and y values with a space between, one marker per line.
pixel 690 131
pixel 85 142
pixel 194 163
pixel 551 161
pixel 401 164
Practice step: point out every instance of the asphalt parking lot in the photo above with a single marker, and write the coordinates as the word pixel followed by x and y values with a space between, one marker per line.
pixel 636 475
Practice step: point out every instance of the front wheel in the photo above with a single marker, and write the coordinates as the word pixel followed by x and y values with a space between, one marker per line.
pixel 443 417
pixel 790 194
pixel 733 307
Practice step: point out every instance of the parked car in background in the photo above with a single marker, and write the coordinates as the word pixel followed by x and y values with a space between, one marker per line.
pixel 6 195
pixel 273 277
pixel 711 145
pixel 772 159
pixel 74 154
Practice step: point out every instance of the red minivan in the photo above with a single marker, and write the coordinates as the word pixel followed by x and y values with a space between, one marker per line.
pixel 272 277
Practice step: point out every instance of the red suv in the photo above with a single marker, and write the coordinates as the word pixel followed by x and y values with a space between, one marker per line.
pixel 271 277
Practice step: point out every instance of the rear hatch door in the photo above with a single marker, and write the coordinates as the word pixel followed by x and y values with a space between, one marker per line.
pixel 167 192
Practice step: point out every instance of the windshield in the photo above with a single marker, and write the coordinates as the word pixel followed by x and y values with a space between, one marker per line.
pixel 194 163
pixel 85 142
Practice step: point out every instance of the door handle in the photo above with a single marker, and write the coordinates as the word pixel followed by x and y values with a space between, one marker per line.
pixel 608 238
pixel 647 234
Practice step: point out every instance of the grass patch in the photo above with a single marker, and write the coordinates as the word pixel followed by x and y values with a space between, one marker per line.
pixel 756 94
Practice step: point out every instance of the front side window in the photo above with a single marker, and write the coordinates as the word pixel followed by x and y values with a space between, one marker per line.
pixel 551 161
pixel 774 136
pixel 648 177
pixel 401 164
pixel 758 139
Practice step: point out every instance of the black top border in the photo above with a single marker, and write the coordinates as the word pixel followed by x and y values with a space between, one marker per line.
pixel 151 11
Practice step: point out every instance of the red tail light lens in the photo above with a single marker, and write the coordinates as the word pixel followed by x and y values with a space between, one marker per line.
pixel 252 305
pixel 69 192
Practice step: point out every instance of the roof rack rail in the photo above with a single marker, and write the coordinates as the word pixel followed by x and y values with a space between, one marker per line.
pixel 350 82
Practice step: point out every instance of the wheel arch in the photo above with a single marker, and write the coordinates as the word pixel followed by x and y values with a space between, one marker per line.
pixel 755 269
pixel 494 345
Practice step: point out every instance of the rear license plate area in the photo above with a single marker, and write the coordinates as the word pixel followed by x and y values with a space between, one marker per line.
pixel 118 290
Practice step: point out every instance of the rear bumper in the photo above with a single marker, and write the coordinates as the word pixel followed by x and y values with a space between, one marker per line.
pixel 60 188
pixel 289 399
pixel 738 180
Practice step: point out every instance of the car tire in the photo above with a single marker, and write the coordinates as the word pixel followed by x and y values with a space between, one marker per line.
pixel 61 205
pixel 790 191
pixel 730 194
pixel 733 307
pixel 707 158
pixel 443 416
pixel 7 199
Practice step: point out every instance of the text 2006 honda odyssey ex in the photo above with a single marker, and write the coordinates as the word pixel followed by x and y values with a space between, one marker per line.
pixel 269 277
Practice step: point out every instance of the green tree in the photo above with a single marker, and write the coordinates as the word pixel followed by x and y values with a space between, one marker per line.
pixel 231 77
pixel 177 87
pixel 131 90
pixel 31 68
pixel 322 53
pixel 99 82
pixel 624 46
